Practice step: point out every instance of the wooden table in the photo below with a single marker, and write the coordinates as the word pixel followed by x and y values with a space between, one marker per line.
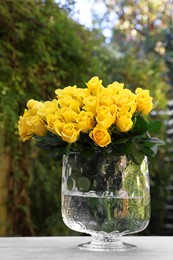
pixel 65 248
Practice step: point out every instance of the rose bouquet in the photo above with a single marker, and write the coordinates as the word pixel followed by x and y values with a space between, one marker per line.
pixel 104 135
pixel 93 118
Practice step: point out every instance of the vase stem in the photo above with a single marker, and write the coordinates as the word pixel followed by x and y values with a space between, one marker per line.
pixel 107 242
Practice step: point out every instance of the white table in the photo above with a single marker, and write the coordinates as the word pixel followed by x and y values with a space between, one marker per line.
pixel 65 248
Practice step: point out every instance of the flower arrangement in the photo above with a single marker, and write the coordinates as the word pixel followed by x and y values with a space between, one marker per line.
pixel 93 118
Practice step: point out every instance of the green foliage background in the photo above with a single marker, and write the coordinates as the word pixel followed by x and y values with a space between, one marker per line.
pixel 42 49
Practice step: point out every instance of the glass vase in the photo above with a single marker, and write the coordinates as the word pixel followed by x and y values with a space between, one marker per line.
pixel 107 196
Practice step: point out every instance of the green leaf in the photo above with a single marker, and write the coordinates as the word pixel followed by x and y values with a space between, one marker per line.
pixel 155 104
pixel 136 153
pixel 141 125
pixel 154 126
pixel 139 137
pixel 133 150
pixel 149 152
pixel 59 152
pixel 121 140
pixel 153 141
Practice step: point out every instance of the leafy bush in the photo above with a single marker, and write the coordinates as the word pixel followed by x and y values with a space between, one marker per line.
pixel 41 50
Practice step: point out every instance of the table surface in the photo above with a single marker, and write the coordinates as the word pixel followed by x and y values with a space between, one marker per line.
pixel 65 248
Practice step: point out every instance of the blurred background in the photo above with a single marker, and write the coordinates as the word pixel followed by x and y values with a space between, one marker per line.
pixel 48 44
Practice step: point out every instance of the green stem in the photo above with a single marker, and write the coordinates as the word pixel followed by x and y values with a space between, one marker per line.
pixel 108 210
pixel 68 146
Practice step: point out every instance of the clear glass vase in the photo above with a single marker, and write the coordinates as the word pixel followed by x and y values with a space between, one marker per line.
pixel 106 196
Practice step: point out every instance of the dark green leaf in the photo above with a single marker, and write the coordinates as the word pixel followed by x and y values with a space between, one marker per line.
pixel 141 125
pixel 153 141
pixel 121 140
pixel 149 152
pixel 138 156
pixel 139 137
pixel 154 126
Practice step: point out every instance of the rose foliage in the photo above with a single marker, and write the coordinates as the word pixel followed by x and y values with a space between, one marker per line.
pixel 87 119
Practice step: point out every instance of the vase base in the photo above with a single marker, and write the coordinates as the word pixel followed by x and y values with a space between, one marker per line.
pixel 118 246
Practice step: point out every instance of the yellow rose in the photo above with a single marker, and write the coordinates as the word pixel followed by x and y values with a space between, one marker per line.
pixel 90 104
pixel 67 114
pixel 144 101
pixel 70 90
pixel 94 85
pixel 39 127
pixel 104 116
pixel 126 100
pixel 70 102
pixel 34 106
pixel 100 135
pixel 30 125
pixel 49 107
pixel 65 101
pixel 69 133
pixel 115 88
pixel 75 106
pixel 104 97
pixel 124 121
pixel 113 109
pixel 85 121
pixel 25 131
pixel 50 120
pixel 82 93
pixel 58 126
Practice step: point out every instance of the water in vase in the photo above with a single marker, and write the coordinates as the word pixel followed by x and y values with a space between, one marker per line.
pixel 90 212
